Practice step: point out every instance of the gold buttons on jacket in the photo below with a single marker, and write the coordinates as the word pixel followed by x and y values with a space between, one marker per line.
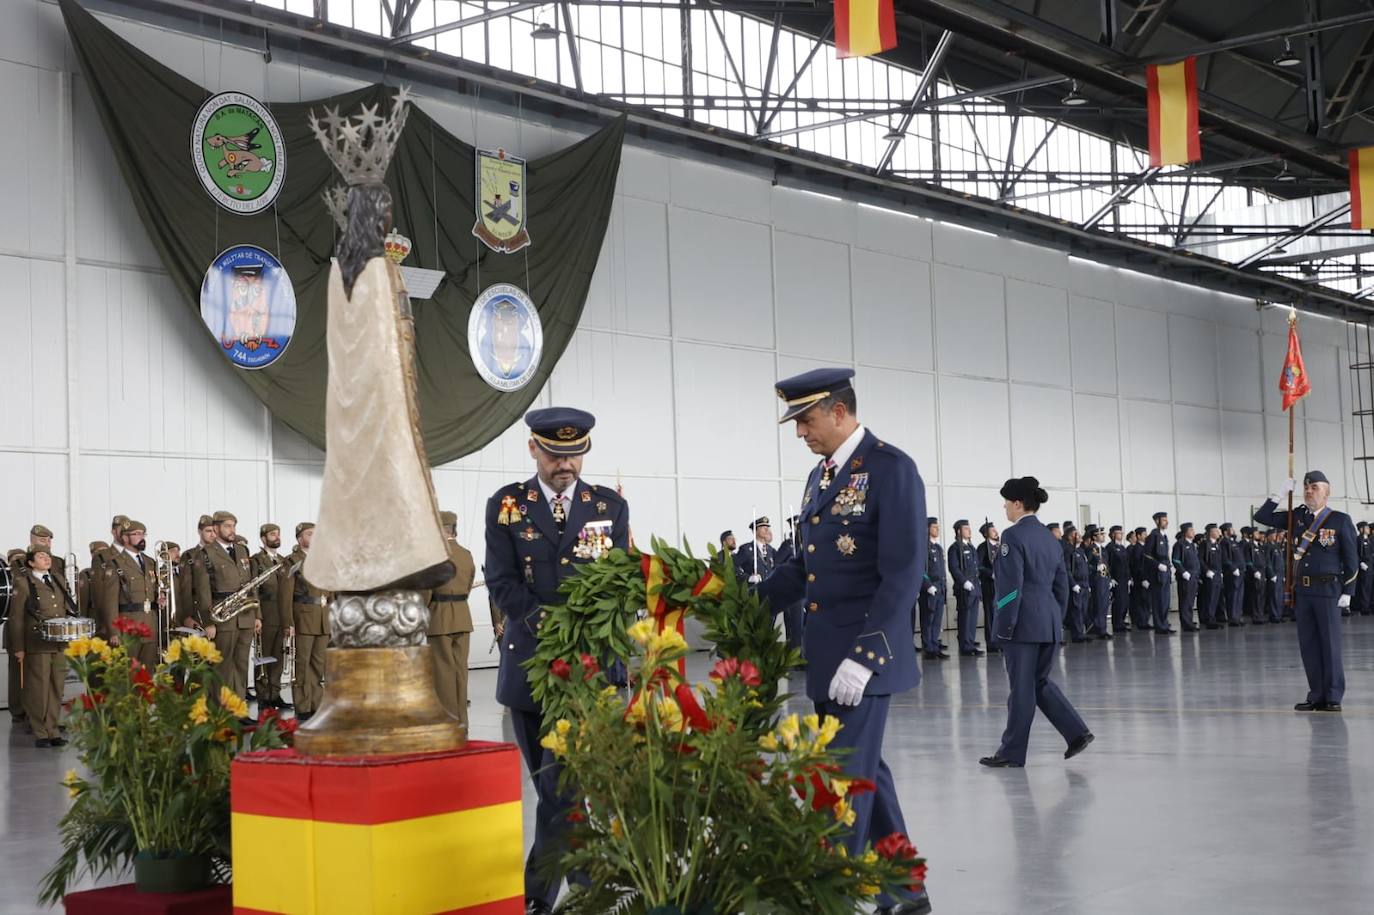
pixel 813 606
pixel 564 560
pixel 811 576
pixel 815 519
pixel 810 548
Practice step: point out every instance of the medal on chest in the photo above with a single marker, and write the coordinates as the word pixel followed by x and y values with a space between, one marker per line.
pixel 851 499
pixel 509 513
pixel 593 541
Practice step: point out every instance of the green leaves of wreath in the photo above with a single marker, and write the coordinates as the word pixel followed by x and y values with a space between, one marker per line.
pixel 606 597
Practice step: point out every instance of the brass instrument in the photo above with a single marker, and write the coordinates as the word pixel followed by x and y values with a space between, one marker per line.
pixel 288 667
pixel 166 594
pixel 242 599
pixel 71 563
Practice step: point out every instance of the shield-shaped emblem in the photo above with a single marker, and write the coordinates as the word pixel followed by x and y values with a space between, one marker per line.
pixel 500 201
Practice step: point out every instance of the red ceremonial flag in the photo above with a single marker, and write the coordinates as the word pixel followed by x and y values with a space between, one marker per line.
pixel 864 27
pixel 1174 138
pixel 1294 382
pixel 1361 187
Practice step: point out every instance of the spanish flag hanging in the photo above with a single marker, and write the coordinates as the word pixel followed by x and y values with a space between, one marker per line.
pixel 864 27
pixel 1173 113
pixel 1361 187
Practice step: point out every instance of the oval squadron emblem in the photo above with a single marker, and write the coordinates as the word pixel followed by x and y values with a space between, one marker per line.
pixel 238 152
pixel 248 303
pixel 505 337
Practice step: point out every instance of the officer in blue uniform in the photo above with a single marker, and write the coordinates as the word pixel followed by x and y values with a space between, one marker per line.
pixel 1326 564
pixel 932 597
pixel 1141 612
pixel 1359 603
pixel 1155 564
pixel 1275 575
pixel 963 568
pixel 537 533
pixel 1032 592
pixel 754 560
pixel 987 556
pixel 1100 579
pixel 794 614
pixel 1187 568
pixel 1119 568
pixel 1076 564
pixel 1209 585
pixel 859 568
pixel 1233 570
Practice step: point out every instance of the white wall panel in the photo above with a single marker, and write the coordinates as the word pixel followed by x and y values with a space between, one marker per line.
pixel 899 407
pixel 1324 403
pixel 1242 452
pixel 892 322
pixel 970 322
pixel 1327 453
pixel 1042 435
pixel 1147 439
pixel 711 506
pixel 1193 360
pixel 722 278
pixel 1092 332
pixel 892 232
pixel 1142 348
pixel 975 445
pixel 725 191
pixel 1038 333
pixel 36 493
pixel 974 503
pixel 1106 507
pixel 812 284
pixel 1276 443
pixel 644 174
pixel 629 290
pixel 1197 449
pixel 1241 384
pixel 29 111
pixel 34 366
pixel 1200 511
pixel 815 215
pixel 1097 442
pixel 1140 508
pixel 728 399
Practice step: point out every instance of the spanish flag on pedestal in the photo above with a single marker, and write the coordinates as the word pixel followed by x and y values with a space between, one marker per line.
pixel 1174 136
pixel 1361 187
pixel 864 27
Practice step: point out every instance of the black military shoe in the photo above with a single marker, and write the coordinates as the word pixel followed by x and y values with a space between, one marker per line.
pixel 918 906
pixel 998 762
pixel 1211 626
pixel 1309 707
pixel 1330 707
pixel 975 653
pixel 42 742
pixel 1079 745
pixel 62 741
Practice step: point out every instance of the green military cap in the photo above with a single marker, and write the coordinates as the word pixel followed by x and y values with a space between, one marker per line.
pixel 221 517
pixel 449 519
pixel 98 545
pixel 303 527
pixel 129 526
pixel 267 529
pixel 35 550
pixel 118 520
pixel 39 530
pixel 169 546
pixel 204 522
pixel 14 555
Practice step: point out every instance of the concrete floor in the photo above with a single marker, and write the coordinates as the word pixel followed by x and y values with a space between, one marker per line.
pixel 1204 793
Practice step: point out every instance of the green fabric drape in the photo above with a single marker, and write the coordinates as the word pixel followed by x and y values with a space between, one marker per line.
pixel 147 111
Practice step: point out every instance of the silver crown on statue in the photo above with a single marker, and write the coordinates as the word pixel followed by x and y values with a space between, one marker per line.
pixel 360 146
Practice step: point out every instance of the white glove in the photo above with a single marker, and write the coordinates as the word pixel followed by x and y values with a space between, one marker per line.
pixel 1211 574
pixel 1273 578
pixel 847 686
pixel 1077 588
pixel 968 586
pixel 1285 489
pixel 1146 583
pixel 1163 567
pixel 930 590
pixel 1364 567
pixel 1235 572
pixel 1113 584
pixel 1187 576
pixel 1258 577
pixel 1344 601
pixel 755 579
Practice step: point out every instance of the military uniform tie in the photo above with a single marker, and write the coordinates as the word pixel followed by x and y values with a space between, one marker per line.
pixel 142 567
pixel 560 515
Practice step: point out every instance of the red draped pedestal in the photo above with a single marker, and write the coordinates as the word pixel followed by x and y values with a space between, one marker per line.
pixel 125 900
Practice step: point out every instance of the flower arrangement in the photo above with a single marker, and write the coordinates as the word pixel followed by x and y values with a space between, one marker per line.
pixel 157 746
pixel 697 799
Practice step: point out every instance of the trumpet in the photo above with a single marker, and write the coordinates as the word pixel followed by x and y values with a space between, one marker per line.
pixel 244 598
pixel 72 562
pixel 288 667
pixel 166 593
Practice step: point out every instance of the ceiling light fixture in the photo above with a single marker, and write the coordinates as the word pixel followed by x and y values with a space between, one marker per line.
pixel 1074 99
pixel 1288 60
pixel 894 135
pixel 544 32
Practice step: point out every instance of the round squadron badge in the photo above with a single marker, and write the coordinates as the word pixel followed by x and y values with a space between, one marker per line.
pixel 505 337
pixel 249 305
pixel 238 152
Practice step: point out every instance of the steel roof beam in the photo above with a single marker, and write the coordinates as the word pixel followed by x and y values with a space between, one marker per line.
pixel 927 80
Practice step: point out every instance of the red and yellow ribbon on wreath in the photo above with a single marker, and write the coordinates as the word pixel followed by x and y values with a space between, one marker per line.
pixel 657 582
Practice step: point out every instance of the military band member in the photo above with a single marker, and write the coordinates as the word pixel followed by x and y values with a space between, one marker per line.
pixel 1187 568
pixel 308 625
pixel 15 559
pixel 987 556
pixel 1209 585
pixel 755 560
pixel 41 536
pixel 39 594
pixel 271 595
pixel 128 590
pixel 1156 567
pixel 450 625
pixel 968 598
pixel 107 555
pixel 1076 565
pixel 1326 563
pixel 85 594
pixel 1119 568
pixel 537 533
pixel 193 615
pixel 1033 590
pixel 225 569
pixel 931 600
pixel 180 582
pixel 859 571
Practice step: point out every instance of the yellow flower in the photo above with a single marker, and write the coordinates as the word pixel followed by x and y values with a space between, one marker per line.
pixel 669 714
pixel 202 647
pixel 829 728
pixel 870 857
pixel 845 813
pixel 769 743
pixel 79 648
pixel 634 715
pixel 666 641
pixel 173 652
pixel 789 729
pixel 555 742
pixel 812 722
pixel 73 783
pixel 617 829
pixel 224 735
pixel 840 786
pixel 232 703
pixel 641 632
pixel 868 889
pixel 562 726
pixel 199 713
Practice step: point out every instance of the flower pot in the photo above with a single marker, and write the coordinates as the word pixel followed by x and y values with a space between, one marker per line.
pixel 176 872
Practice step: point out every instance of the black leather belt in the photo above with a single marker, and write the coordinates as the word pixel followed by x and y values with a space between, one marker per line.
pixel 1310 580
pixel 312 601
pixel 143 607
pixel 450 598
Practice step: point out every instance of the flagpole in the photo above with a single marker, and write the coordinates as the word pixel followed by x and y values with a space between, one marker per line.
pixel 1288 583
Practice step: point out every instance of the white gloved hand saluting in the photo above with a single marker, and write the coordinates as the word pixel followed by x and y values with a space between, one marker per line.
pixel 1343 601
pixel 847 686
pixel 930 590
pixel 1288 486
pixel 968 586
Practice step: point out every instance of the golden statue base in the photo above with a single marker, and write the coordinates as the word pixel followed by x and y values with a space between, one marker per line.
pixel 379 702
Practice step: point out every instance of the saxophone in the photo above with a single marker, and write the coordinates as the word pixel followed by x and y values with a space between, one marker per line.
pixel 244 598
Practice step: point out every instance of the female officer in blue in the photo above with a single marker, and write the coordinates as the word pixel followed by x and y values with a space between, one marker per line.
pixel 1032 593
pixel 1326 563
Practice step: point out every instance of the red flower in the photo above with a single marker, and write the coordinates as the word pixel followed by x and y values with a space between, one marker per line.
pixel 589 666
pixel 896 847
pixel 733 667
pixel 287 726
pixel 89 701
pixel 267 714
pixel 749 674
pixel 918 876
pixel 576 816
pixel 136 628
pixel 824 798
pixel 560 669
pixel 142 680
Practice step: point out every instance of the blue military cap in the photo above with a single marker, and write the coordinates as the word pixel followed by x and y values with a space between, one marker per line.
pixel 561 431
pixel 801 392
pixel 1186 525
pixel 1052 526
pixel 1091 530
pixel 726 535
pixel 960 523
pixel 760 522
pixel 1315 476
pixel 1114 528
pixel 932 520
pixel 1157 515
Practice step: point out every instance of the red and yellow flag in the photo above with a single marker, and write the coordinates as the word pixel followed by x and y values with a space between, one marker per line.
pixel 1361 187
pixel 864 27
pixel 1172 93
pixel 1294 382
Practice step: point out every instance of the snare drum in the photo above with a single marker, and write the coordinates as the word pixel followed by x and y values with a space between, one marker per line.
pixel 68 628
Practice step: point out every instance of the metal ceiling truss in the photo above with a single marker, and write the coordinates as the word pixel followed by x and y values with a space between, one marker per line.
pixel 1017 176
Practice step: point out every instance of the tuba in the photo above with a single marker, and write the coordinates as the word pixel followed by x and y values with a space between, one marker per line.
pixel 244 598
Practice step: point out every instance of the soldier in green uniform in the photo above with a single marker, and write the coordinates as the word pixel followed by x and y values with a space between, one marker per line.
pixel 127 588
pixel 85 594
pixel 40 594
pixel 193 615
pixel 41 536
pixel 100 559
pixel 15 560
pixel 270 594
pixel 223 571
pixel 450 625
pixel 309 621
